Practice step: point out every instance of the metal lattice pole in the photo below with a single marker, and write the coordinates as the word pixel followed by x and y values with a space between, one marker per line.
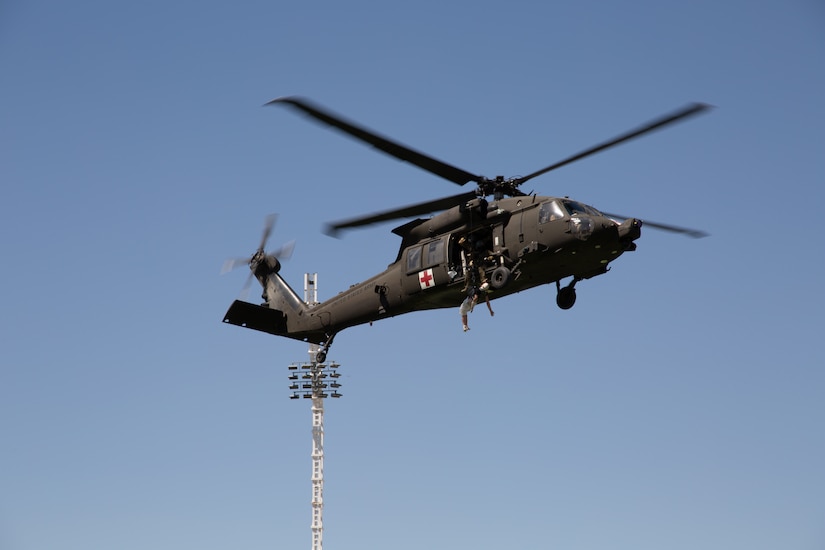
pixel 317 472
pixel 311 298
pixel 312 382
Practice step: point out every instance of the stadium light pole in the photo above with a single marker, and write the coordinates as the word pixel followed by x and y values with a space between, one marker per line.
pixel 314 380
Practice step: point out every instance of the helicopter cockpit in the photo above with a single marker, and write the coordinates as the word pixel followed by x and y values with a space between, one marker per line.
pixel 579 215
pixel 557 209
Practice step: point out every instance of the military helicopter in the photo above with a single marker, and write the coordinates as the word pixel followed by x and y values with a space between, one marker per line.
pixel 495 237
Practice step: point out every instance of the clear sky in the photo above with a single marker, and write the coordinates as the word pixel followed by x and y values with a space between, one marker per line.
pixel 678 405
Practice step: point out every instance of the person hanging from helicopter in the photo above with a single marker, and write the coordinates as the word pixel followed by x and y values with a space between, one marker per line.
pixel 469 303
pixel 487 301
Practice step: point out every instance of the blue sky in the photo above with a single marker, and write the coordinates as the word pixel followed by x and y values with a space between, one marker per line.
pixel 677 405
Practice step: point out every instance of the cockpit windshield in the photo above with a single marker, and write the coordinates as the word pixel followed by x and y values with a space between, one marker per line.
pixel 557 209
pixel 577 208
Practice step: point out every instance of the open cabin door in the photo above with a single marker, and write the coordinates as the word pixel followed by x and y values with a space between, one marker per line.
pixel 476 252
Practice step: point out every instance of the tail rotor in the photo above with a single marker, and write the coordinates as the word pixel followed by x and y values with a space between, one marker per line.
pixel 261 262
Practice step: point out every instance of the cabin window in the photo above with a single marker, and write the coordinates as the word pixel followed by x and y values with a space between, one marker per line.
pixel 550 211
pixel 413 259
pixel 435 253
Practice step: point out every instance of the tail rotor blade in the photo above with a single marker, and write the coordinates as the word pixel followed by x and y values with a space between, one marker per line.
pixel 285 252
pixel 232 263
pixel 269 223
pixel 244 294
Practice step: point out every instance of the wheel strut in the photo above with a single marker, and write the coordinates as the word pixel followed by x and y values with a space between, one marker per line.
pixel 321 354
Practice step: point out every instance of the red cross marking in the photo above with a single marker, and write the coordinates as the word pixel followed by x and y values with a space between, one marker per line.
pixel 426 277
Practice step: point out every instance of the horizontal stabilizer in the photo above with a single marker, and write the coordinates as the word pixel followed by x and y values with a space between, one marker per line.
pixel 244 314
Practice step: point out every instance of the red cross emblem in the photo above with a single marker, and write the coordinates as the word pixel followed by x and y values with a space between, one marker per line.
pixel 425 279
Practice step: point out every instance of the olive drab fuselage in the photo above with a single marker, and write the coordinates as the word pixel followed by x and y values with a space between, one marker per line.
pixel 517 243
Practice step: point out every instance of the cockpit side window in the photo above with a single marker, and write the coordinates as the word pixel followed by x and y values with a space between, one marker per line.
pixel 550 211
pixel 413 259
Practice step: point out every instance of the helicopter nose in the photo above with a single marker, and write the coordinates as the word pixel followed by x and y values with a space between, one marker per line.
pixel 630 230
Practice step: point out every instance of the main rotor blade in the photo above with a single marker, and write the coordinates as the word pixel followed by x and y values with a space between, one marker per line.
pixel 695 233
pixel 399 151
pixel 403 212
pixel 685 112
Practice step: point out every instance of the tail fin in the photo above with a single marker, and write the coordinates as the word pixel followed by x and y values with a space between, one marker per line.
pixel 280 296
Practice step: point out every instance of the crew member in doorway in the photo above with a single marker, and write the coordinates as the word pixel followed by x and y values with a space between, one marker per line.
pixel 473 253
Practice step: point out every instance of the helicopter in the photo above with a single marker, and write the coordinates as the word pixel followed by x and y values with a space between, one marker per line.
pixel 495 238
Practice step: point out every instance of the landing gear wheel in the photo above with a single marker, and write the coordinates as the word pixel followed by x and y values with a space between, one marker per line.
pixel 500 277
pixel 566 297
pixel 320 356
